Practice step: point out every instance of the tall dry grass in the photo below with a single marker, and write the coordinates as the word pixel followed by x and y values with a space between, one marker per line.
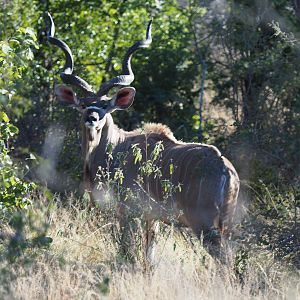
pixel 83 263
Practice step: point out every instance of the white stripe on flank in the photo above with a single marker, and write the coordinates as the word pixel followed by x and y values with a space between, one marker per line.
pixel 199 192
pixel 222 190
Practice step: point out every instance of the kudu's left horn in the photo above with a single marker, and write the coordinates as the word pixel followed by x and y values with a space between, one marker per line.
pixel 66 74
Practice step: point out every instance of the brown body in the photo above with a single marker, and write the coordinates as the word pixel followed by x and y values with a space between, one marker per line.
pixel 209 183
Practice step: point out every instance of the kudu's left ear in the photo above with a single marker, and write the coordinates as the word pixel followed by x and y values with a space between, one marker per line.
pixel 123 99
pixel 66 95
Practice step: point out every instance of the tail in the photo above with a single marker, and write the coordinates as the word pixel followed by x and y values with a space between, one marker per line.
pixel 230 193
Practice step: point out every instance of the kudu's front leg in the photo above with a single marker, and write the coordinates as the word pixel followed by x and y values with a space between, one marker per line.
pixel 151 230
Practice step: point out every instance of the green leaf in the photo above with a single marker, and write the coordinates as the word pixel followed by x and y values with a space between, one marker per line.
pixel 4 91
pixel 4 117
pixel 29 54
pixel 32 156
pixel 171 169
pixel 14 41
pixel 13 129
pixel 31 33
pixel 6 48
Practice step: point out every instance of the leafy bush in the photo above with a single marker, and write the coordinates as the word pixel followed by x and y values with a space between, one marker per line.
pixel 13 191
pixel 272 221
pixel 15 53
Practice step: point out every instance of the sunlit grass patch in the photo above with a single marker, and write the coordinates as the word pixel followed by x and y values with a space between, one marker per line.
pixel 82 262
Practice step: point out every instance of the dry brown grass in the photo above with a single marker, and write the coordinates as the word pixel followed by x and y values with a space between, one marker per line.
pixel 83 263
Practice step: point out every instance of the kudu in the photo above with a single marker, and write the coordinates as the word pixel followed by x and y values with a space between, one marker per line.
pixel 209 182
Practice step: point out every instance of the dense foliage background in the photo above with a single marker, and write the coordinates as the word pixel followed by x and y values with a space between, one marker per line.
pixel 239 57
pixel 244 54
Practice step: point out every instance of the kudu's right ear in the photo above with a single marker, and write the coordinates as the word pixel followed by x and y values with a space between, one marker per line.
pixel 123 99
pixel 66 95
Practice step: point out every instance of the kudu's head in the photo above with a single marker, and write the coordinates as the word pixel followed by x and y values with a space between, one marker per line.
pixel 96 105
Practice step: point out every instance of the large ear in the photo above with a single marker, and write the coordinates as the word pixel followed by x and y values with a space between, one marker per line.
pixel 123 99
pixel 66 95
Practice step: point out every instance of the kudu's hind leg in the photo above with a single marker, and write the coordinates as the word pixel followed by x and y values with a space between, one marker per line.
pixel 212 242
pixel 203 224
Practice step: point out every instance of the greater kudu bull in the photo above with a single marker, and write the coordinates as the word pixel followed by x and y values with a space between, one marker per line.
pixel 209 182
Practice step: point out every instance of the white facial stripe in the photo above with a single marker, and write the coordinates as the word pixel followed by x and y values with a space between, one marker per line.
pixel 97 108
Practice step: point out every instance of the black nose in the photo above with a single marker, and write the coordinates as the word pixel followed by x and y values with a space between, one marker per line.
pixel 91 119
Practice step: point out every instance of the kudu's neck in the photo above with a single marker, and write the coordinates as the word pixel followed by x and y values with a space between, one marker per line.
pixel 111 133
pixel 95 144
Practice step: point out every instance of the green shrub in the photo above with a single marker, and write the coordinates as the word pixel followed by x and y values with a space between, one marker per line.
pixel 15 54
pixel 14 190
